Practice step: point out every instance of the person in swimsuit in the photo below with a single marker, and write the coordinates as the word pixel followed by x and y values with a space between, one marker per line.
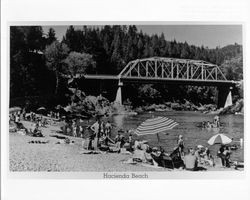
pixel 180 144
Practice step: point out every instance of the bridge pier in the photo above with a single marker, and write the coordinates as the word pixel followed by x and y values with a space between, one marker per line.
pixel 224 96
pixel 118 98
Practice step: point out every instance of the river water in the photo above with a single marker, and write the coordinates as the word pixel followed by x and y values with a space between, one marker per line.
pixel 189 127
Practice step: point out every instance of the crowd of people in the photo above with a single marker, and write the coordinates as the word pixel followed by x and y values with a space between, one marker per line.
pixel 214 124
pixel 98 137
pixel 38 120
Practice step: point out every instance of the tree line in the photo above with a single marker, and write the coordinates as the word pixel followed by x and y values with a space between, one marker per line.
pixel 38 61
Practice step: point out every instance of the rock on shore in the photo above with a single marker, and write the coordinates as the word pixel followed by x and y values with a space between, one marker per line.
pixel 237 107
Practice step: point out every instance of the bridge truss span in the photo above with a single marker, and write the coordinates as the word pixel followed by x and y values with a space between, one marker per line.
pixel 172 69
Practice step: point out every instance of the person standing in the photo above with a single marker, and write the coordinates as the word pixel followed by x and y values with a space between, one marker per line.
pixel 226 154
pixel 221 155
pixel 180 144
pixel 73 128
pixel 217 121
pixel 17 120
pixel 107 128
pixel 81 131
pixel 97 127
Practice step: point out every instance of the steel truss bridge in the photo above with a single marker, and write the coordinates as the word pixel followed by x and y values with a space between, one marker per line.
pixel 170 71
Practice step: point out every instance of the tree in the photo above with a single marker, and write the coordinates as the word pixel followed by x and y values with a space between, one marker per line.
pixel 162 45
pixel 233 68
pixel 74 39
pixel 35 40
pixel 148 93
pixel 185 52
pixel 77 63
pixel 155 45
pixel 130 52
pixel 55 55
pixel 116 57
pixel 51 36
pixel 26 60
pixel 106 37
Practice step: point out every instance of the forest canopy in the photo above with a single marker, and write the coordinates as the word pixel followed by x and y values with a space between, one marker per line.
pixel 38 59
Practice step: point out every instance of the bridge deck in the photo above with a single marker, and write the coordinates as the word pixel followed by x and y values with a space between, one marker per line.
pixel 160 80
pixel 101 77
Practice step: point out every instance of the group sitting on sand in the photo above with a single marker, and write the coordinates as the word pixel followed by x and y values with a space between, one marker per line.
pixel 178 159
pixel 214 124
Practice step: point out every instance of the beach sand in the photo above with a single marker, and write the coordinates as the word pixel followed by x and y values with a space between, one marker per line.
pixel 25 156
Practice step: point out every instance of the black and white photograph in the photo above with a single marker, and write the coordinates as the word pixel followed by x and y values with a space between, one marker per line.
pixel 126 98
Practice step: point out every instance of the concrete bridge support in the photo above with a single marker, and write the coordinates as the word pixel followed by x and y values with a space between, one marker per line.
pixel 118 98
pixel 224 96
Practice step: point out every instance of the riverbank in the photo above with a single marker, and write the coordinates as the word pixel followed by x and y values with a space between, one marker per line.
pixel 237 107
pixel 25 156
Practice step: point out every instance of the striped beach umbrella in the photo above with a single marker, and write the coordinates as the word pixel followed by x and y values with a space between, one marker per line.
pixel 15 109
pixel 155 125
pixel 219 139
pixel 41 108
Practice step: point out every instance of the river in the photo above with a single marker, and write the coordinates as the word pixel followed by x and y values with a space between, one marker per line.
pixel 189 122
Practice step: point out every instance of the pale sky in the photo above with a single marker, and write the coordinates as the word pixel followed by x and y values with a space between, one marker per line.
pixel 206 35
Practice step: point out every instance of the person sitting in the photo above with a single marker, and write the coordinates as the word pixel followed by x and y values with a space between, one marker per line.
pixel 190 160
pixel 144 146
pixel 226 154
pixel 207 157
pixel 208 125
pixel 120 138
pixel 118 142
pixel 37 132
pixel 198 153
pixel 203 124
pixel 122 141
pixel 156 155
pixel 130 142
pixel 206 153
pixel 141 155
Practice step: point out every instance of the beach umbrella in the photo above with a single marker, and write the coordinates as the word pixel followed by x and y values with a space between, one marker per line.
pixel 155 125
pixel 15 109
pixel 219 139
pixel 41 109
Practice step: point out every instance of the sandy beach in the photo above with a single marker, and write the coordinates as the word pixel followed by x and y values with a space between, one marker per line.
pixel 25 156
